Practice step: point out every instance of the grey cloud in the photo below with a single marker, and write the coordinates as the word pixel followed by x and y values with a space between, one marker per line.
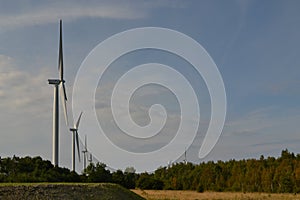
pixel 34 13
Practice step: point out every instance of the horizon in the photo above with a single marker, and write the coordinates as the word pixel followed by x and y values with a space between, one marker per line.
pixel 254 45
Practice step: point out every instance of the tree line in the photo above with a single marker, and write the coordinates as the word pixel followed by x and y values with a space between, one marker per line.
pixel 270 174
pixel 27 169
pixel 274 175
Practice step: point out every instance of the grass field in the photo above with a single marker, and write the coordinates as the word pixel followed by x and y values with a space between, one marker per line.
pixel 192 195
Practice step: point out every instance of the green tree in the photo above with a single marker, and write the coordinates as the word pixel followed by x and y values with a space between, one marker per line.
pixel 98 173
pixel 118 177
pixel 147 181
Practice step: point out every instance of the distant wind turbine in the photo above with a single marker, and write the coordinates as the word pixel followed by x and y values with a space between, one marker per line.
pixel 75 140
pixel 61 83
pixel 185 160
pixel 85 151
pixel 90 158
pixel 169 163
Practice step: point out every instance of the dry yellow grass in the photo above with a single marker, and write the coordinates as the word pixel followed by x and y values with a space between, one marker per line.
pixel 192 195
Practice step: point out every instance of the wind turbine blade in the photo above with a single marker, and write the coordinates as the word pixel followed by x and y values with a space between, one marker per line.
pixel 77 143
pixel 78 121
pixel 60 56
pixel 64 89
pixel 63 101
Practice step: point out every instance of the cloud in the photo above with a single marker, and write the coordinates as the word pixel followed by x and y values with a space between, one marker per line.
pixel 22 90
pixel 263 130
pixel 26 107
pixel 278 143
pixel 34 13
pixel 50 12
pixel 251 123
pixel 140 103
pixel 282 87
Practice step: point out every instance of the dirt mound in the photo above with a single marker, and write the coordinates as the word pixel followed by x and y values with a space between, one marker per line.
pixel 101 191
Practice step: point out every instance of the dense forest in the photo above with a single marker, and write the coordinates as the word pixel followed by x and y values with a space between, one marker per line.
pixel 252 175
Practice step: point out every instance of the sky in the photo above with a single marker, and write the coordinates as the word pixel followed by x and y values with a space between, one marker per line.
pixel 255 45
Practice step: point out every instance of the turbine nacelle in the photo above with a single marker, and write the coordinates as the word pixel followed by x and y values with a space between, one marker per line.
pixel 54 81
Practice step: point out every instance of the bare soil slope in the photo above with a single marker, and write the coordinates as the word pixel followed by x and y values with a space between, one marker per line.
pixel 101 191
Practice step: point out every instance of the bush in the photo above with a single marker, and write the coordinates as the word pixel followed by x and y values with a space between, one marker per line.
pixel 147 182
pixel 200 188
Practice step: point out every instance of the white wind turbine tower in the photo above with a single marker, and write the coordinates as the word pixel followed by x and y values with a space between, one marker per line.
pixel 61 83
pixel 75 140
pixel 90 159
pixel 185 160
pixel 85 151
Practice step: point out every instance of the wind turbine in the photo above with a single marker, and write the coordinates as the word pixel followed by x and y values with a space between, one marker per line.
pixel 90 159
pixel 85 151
pixel 185 160
pixel 62 89
pixel 75 139
pixel 169 163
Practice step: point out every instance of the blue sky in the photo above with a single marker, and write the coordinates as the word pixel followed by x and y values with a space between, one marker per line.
pixel 255 45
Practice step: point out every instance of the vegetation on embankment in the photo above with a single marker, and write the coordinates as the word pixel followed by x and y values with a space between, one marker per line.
pixel 45 191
